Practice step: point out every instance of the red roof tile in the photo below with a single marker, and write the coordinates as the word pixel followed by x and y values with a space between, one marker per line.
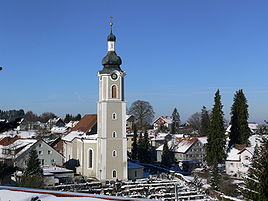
pixel 86 123
pixel 8 140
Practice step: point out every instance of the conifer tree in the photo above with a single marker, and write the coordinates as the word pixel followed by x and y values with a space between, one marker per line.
pixel 205 122
pixel 146 145
pixel 134 150
pixel 215 148
pixel 167 155
pixel 256 181
pixel 175 122
pixel 33 164
pixel 33 174
pixel 140 147
pixel 240 131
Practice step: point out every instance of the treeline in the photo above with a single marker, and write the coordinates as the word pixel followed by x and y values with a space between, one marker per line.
pixel 11 115
pixel 69 117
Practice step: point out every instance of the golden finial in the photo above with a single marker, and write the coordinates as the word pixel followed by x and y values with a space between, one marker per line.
pixel 111 23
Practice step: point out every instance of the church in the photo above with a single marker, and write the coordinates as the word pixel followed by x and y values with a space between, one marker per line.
pixel 99 141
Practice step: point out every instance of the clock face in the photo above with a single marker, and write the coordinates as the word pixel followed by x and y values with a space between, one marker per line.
pixel 114 76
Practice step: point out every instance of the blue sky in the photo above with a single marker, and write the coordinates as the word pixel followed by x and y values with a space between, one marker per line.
pixel 176 53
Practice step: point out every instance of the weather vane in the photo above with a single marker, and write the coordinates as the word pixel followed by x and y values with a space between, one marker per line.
pixel 111 23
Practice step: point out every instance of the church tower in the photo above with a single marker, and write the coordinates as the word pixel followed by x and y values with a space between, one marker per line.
pixel 112 142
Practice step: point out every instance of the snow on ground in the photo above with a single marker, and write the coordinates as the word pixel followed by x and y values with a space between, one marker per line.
pixel 22 134
pixel 6 195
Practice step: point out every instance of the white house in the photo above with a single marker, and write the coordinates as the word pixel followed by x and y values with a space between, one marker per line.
pixel 238 160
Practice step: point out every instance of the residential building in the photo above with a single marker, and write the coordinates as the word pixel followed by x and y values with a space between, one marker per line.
pixel 238 160
pixel 163 120
pixel 186 149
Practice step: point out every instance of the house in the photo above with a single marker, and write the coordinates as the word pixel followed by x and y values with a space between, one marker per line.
pixel 238 160
pixel 135 171
pixel 56 175
pixel 58 122
pixel 163 120
pixel 130 120
pixel 185 149
pixel 16 151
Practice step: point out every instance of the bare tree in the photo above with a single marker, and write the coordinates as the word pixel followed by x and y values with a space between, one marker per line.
pixel 143 112
pixel 195 121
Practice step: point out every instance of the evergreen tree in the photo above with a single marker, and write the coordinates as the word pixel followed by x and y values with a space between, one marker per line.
pixel 215 179
pixel 167 155
pixel 205 122
pixel 134 150
pixel 68 118
pixel 33 164
pixel 33 174
pixel 215 148
pixel 256 181
pixel 146 145
pixel 140 147
pixel 175 122
pixel 77 117
pixel 144 148
pixel 240 131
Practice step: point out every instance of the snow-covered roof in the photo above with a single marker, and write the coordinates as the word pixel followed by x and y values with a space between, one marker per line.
pixel 71 124
pixel 233 155
pixel 181 145
pixel 203 140
pixel 78 134
pixel 167 119
pixel 131 165
pixel 56 170
pixel 184 144
pixel 56 129
pixel 22 134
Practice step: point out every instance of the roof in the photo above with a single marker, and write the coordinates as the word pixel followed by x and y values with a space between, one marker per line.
pixel 203 140
pixel 8 140
pixel 181 145
pixel 131 165
pixel 86 123
pixel 78 134
pixel 166 119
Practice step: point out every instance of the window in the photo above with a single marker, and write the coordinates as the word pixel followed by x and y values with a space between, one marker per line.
pixel 114 116
pixel 114 134
pixel 42 161
pixel 90 158
pixel 40 152
pixel 135 173
pixel 114 154
pixel 48 152
pixel 114 91
pixel 40 145
pixel 246 157
pixel 114 174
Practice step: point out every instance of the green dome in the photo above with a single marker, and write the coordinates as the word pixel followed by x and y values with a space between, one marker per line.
pixel 111 59
pixel 111 37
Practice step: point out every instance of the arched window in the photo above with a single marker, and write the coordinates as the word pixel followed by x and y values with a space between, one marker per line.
pixel 90 158
pixel 114 91
pixel 114 173
pixel 114 116
pixel 114 134
pixel 114 154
